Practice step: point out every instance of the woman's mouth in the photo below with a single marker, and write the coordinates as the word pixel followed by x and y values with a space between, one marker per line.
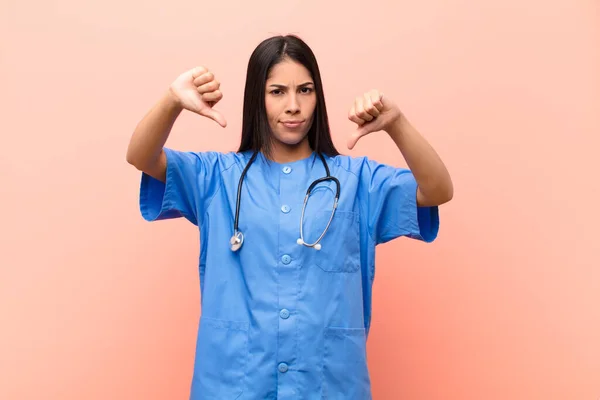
pixel 292 123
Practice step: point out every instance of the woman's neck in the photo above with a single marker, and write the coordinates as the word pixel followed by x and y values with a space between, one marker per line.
pixel 283 153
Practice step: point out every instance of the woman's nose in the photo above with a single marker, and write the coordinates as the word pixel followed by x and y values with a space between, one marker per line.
pixel 293 105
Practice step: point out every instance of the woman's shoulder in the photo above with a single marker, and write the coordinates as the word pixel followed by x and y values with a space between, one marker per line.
pixel 365 167
pixel 352 164
pixel 221 159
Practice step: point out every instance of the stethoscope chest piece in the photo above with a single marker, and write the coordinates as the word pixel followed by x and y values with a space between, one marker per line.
pixel 236 241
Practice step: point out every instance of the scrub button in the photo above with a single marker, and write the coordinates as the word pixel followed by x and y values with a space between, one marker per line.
pixel 286 259
pixel 284 314
pixel 285 209
pixel 287 170
pixel 283 367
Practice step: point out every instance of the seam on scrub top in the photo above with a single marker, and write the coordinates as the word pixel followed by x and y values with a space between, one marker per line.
pixel 414 226
pixel 296 343
pixel 362 211
pixel 221 172
pixel 358 179
pixel 170 194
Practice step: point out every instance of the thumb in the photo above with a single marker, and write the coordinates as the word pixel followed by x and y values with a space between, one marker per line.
pixel 215 116
pixel 360 132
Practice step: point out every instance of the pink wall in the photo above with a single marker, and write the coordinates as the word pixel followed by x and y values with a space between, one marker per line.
pixel 97 304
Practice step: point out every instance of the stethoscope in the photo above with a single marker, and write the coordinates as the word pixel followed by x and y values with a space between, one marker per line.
pixel 237 239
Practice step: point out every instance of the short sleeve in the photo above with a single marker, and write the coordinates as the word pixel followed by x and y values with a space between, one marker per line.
pixel 189 179
pixel 391 197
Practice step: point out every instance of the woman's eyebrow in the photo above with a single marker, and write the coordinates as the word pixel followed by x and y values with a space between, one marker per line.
pixel 279 86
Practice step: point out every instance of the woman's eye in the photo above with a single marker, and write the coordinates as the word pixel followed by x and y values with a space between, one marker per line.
pixel 277 92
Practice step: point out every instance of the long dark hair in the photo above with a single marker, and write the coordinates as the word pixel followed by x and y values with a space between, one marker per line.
pixel 256 131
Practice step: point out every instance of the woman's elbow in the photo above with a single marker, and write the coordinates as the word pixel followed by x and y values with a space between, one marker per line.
pixel 445 193
pixel 437 197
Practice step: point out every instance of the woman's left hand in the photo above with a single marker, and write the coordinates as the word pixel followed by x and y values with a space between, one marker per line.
pixel 372 112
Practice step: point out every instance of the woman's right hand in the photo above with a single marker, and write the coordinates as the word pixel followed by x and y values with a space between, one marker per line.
pixel 197 90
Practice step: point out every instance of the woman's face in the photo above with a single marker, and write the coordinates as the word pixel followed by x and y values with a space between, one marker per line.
pixel 290 101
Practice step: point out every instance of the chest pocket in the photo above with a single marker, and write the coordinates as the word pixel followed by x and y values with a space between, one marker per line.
pixel 340 247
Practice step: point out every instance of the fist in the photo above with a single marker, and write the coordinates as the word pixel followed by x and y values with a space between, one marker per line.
pixel 371 112
pixel 197 90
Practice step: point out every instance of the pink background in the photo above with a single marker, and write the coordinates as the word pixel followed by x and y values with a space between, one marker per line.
pixel 95 303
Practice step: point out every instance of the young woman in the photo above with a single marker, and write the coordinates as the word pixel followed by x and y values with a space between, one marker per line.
pixel 288 226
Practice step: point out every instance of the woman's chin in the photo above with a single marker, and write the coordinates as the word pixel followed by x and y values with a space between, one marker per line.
pixel 291 139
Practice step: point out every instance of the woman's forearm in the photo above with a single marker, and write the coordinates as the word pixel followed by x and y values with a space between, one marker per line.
pixel 151 133
pixel 433 179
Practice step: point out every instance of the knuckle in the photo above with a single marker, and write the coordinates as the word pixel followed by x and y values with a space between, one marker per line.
pixel 198 71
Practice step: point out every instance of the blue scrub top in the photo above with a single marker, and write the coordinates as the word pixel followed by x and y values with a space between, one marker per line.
pixel 280 320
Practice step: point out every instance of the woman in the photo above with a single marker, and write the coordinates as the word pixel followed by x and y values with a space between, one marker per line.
pixel 286 285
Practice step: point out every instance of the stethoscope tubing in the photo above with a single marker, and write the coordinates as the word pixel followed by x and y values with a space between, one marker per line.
pixel 238 237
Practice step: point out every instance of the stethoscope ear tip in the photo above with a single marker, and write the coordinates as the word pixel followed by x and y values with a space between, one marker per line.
pixel 301 242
